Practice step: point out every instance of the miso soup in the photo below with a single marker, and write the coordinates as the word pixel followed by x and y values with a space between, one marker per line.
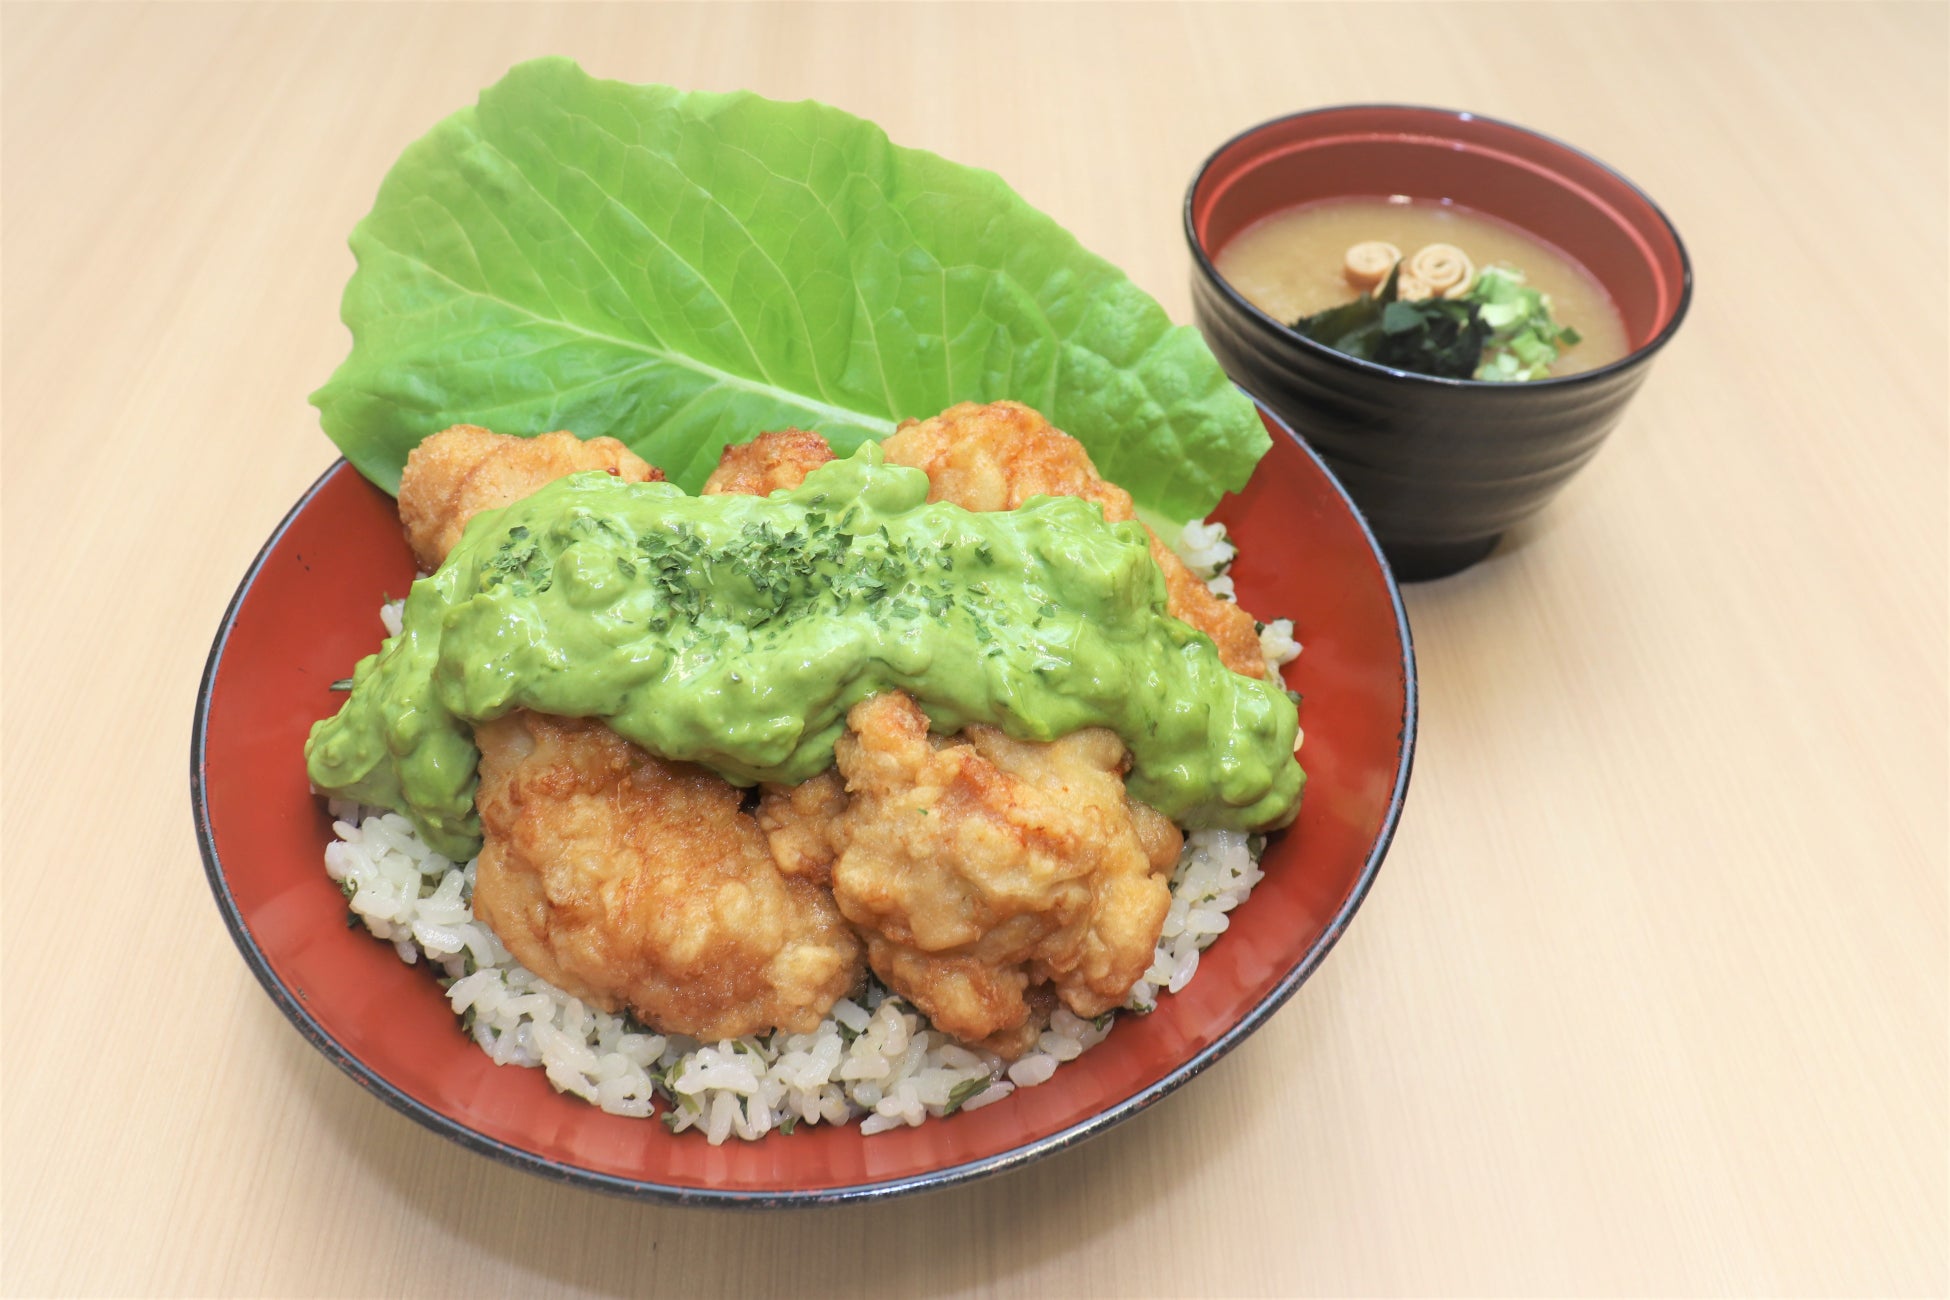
pixel 1289 265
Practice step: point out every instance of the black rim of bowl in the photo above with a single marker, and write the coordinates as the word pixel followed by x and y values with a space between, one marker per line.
pixel 643 1189
pixel 1630 360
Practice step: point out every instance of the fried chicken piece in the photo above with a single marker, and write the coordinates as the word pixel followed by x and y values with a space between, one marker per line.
pixel 767 463
pixel 634 882
pixel 1189 600
pixel 455 474
pixel 977 866
pixel 622 878
pixel 1009 1044
pixel 996 457
pixel 801 825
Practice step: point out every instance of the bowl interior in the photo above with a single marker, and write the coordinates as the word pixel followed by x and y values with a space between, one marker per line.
pixel 1549 189
pixel 309 611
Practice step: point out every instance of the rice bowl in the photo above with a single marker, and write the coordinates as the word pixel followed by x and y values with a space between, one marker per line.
pixel 297 620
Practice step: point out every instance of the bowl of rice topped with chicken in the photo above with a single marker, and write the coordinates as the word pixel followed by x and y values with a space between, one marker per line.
pixel 794 813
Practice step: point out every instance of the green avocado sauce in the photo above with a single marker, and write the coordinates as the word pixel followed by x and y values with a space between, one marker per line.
pixel 736 631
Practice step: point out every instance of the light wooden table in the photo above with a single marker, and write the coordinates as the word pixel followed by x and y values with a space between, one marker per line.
pixel 1651 995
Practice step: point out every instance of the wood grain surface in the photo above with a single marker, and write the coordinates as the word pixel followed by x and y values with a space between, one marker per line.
pixel 1651 994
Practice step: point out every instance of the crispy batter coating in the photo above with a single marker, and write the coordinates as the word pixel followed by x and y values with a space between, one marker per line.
pixel 977 866
pixel 800 823
pixel 630 881
pixel 996 457
pixel 767 463
pixel 459 472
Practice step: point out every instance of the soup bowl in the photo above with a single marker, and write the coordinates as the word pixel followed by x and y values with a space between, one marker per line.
pixel 1441 467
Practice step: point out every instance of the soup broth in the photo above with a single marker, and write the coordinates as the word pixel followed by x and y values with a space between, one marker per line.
pixel 1289 264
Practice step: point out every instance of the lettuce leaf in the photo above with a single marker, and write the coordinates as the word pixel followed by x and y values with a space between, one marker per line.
pixel 681 270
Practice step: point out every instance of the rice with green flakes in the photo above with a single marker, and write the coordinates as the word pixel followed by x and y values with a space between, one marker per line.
pixel 874 1059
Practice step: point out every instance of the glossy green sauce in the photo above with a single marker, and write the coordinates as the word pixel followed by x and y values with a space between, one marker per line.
pixel 736 631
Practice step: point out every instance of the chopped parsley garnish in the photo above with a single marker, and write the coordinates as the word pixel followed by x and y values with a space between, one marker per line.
pixel 964 1090
pixel 520 563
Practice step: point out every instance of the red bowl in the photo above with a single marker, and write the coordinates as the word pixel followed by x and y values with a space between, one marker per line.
pixel 306 612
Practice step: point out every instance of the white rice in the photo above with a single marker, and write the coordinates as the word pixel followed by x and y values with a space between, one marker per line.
pixel 873 1059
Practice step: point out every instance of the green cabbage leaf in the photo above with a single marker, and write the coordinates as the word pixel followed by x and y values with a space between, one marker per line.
pixel 683 270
